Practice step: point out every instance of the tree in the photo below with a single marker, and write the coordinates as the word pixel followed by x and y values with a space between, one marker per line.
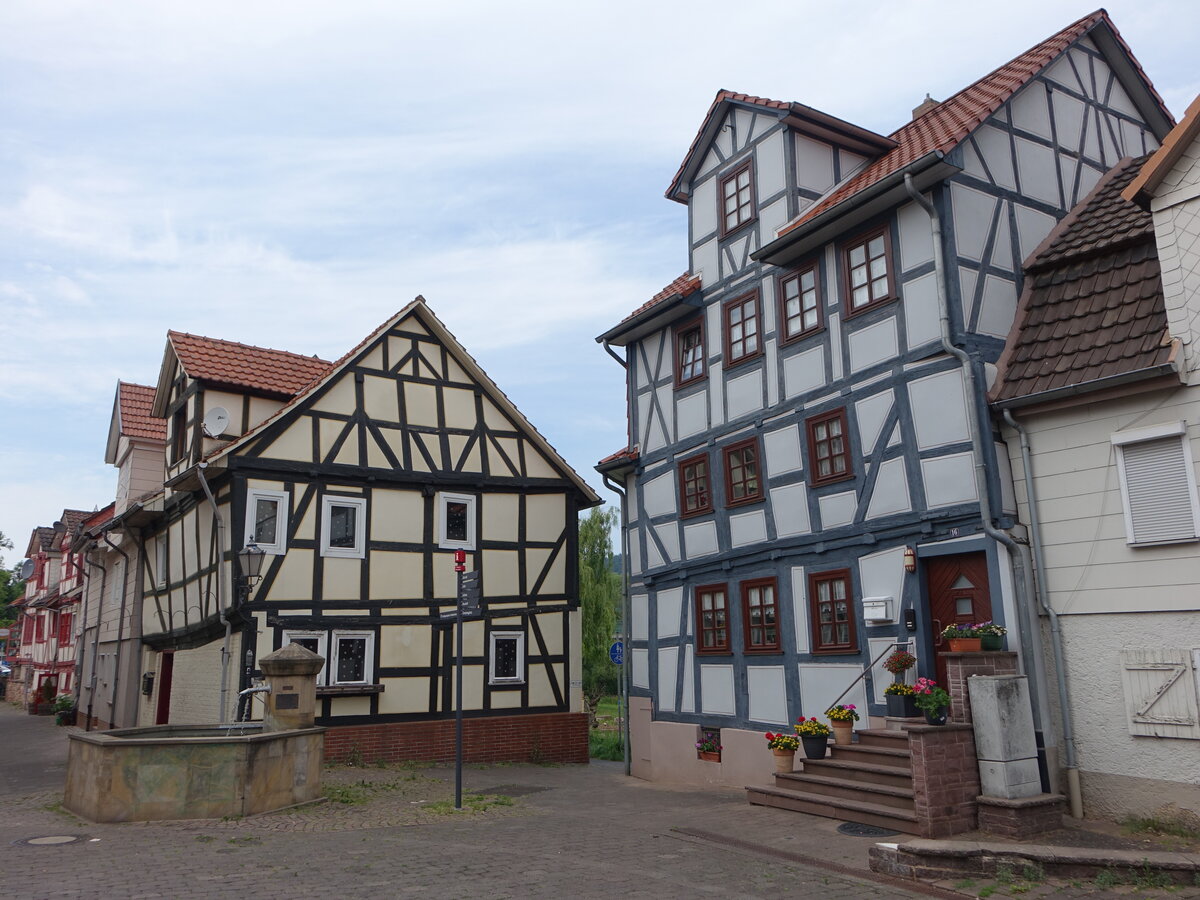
pixel 599 597
pixel 11 586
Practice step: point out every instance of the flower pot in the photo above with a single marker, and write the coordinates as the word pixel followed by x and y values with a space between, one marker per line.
pixel 965 645
pixel 842 732
pixel 815 746
pixel 936 718
pixel 902 706
pixel 709 755
pixel 785 760
pixel 991 641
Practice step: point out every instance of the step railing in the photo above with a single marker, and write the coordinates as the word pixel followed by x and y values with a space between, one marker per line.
pixel 897 645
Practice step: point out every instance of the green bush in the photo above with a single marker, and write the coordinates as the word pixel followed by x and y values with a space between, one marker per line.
pixel 605 745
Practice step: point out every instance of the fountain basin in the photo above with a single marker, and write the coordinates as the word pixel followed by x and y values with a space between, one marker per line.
pixel 191 771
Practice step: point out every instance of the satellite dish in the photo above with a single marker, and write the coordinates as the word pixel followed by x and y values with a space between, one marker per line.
pixel 215 421
pixel 27 568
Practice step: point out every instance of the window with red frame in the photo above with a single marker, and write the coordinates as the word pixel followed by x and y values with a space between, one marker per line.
pixel 743 483
pixel 695 489
pixel 39 627
pixel 832 616
pixel 689 353
pixel 737 198
pixel 64 628
pixel 741 328
pixel 868 271
pixel 829 448
pixel 800 302
pixel 760 614
pixel 712 619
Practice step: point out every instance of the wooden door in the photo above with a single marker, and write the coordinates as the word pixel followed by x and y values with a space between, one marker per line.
pixel 958 593
pixel 162 711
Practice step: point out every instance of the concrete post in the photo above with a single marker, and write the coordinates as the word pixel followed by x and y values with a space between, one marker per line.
pixel 1004 739
pixel 291 674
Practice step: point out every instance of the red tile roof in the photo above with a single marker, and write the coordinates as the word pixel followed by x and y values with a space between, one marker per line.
pixel 683 286
pixel 627 454
pixel 135 402
pixel 245 367
pixel 1092 306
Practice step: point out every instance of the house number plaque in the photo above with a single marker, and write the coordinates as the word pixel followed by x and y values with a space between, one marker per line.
pixel 287 701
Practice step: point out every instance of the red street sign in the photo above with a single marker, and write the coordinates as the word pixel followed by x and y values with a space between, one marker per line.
pixel 460 560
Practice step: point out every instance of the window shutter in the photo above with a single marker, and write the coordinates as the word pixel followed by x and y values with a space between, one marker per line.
pixel 1158 491
pixel 1160 693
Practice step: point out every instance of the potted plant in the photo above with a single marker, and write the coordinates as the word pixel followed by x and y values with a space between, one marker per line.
pixel 64 710
pixel 963 638
pixel 931 700
pixel 784 746
pixel 991 635
pixel 842 717
pixel 707 747
pixel 900 703
pixel 814 735
pixel 899 663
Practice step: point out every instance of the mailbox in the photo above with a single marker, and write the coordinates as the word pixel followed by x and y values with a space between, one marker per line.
pixel 877 609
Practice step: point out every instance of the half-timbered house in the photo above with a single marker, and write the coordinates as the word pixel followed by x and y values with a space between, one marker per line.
pixel 811 473
pixel 360 479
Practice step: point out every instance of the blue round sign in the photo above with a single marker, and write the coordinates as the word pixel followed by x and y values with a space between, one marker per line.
pixel 617 652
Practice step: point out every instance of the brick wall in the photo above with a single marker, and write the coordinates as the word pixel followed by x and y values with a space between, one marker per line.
pixel 550 737
pixel 1022 818
pixel 961 666
pixel 945 778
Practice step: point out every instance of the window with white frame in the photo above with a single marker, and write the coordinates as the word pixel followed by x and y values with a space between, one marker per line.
pixel 1158 484
pixel 160 561
pixel 349 655
pixel 266 520
pixel 506 657
pixel 343 526
pixel 456 521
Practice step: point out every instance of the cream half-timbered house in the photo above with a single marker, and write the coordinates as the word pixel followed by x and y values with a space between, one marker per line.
pixel 807 402
pixel 360 487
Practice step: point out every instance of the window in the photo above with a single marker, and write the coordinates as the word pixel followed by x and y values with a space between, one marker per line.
pixel 456 521
pixel 179 433
pixel 65 637
pixel 832 619
pixel 712 619
pixel 507 658
pixel 343 521
pixel 266 520
pixel 867 268
pixel 39 633
pixel 695 491
pixel 741 328
pixel 737 199
pixel 315 642
pixel 1158 484
pixel 742 481
pixel 689 352
pixel 800 303
pixel 829 448
pixel 760 619
pixel 160 561
pixel 353 657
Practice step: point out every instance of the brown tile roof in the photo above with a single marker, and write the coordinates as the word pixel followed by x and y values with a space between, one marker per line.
pixel 1092 305
pixel 1164 159
pixel 42 538
pixel 245 367
pixel 135 402
pixel 626 454
pixel 683 286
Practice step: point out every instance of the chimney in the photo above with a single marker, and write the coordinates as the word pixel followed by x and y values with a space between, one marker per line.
pixel 925 106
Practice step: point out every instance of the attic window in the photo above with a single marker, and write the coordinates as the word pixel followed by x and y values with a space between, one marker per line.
pixel 456 521
pixel 867 269
pixel 737 198
pixel 343 525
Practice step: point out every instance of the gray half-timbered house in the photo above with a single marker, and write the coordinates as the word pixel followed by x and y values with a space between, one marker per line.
pixel 360 479
pixel 807 402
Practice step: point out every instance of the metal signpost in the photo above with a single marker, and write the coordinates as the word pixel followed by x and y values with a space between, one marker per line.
pixel 469 599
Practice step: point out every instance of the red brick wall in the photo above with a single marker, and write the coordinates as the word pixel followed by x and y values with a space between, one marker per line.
pixel 550 737
pixel 961 666
pixel 945 778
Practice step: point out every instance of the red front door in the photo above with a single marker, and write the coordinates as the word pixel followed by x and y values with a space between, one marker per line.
pixel 166 665
pixel 958 593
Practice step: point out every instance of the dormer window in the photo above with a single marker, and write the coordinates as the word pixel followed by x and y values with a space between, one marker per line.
pixel 689 352
pixel 737 198
pixel 867 267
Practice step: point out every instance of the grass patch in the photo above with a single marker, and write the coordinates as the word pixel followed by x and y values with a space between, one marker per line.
pixel 1107 878
pixel 608 706
pixel 1145 877
pixel 1170 827
pixel 987 891
pixel 605 745
pixel 471 803
pixel 350 794
pixel 966 883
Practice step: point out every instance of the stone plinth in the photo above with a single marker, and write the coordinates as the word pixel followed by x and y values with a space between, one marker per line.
pixel 961 666
pixel 291 674
pixel 1004 739
pixel 945 778
pixel 1023 817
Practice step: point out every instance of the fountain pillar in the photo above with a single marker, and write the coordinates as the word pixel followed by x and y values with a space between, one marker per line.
pixel 291 675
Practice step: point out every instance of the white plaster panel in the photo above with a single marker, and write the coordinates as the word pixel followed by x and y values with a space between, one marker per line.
pixel 748 528
pixel 782 450
pixel 874 344
pixel 691 414
pixel 997 154
pixel 639 663
pixel 949 480
pixel 711 161
pixel 1131 138
pixel 966 285
pixel 1008 497
pixel 800 608
pixel 1035 166
pixel 804 372
pixel 881 574
pixel 668 534
pixel 890 494
pixel 880 677
pixel 1062 72
pixel 921 321
pixel 716 382
pixel 1002 256
pixel 716 690
pixel 771 349
pixel 652 347
pixel 1088 176
pixel 894 440
pixel 654 559
pixel 639 612
pixel 658 494
pixel 731 259
pixel 916 240
pixel 769 165
pixel 820 684
pixel 768 694
pixel 939 409
pixel 724 139
pixel 999 306
pixel 1068 119
pixel 814 164
pixel 762 124
pixel 666 403
pixel 688 702
pixel 837 509
pixel 743 121
pixel 871 412
pixel 1091 137
pixel 972 218
pixel 972 163
pixel 704 208
pixel 850 163
pixel 1109 133
pixel 700 539
pixel 789 506
pixel 1029 110
pixel 773 217
pixel 834 324
pixel 744 394
pixel 668 665
pixel 635 555
pixel 704 262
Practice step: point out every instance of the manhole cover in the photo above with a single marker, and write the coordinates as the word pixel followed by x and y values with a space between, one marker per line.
pixel 511 790
pixel 854 829
pixel 51 840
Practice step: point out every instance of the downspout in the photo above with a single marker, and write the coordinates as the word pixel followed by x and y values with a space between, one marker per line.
pixel 220 526
pixel 1027 588
pixel 116 694
pixel 625 612
pixel 1057 655
pixel 96 638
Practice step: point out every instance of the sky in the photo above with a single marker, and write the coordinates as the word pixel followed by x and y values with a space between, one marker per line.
pixel 290 174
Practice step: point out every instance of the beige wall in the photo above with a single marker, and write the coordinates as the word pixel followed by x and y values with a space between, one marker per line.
pixel 196 684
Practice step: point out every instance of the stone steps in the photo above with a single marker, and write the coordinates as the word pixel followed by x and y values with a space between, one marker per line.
pixel 863 791
pixel 835 808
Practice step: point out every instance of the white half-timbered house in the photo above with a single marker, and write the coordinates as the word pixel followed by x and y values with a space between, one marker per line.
pixel 360 480
pixel 807 402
